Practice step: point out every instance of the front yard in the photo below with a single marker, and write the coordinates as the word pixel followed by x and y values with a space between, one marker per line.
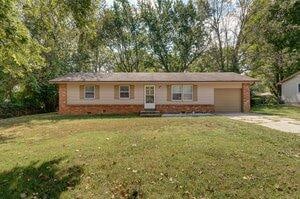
pixel 50 156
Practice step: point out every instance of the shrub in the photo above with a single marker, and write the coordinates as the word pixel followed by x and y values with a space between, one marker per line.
pixel 261 100
pixel 9 109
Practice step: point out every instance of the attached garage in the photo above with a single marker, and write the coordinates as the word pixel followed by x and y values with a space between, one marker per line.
pixel 228 100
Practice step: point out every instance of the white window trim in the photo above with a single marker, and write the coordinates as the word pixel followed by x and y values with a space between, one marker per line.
pixel 94 92
pixel 182 100
pixel 124 98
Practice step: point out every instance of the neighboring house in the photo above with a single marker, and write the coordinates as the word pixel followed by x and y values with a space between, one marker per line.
pixel 290 89
pixel 123 93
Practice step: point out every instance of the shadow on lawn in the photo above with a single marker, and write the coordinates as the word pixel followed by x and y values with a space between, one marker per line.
pixel 39 181
pixel 6 138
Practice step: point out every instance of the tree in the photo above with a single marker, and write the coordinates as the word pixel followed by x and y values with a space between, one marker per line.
pixel 227 26
pixel 175 32
pixel 67 29
pixel 122 33
pixel 274 42
pixel 87 17
pixel 20 55
pixel 50 24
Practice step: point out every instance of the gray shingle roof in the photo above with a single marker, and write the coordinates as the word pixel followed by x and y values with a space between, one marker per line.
pixel 154 77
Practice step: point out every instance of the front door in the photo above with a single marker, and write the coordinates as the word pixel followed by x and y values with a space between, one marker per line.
pixel 149 98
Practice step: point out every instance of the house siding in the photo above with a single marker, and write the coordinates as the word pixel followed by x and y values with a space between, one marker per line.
pixel 289 90
pixel 70 102
pixel 106 95
pixel 205 92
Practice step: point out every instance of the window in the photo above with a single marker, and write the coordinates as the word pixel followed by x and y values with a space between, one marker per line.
pixel 176 92
pixel 124 92
pixel 89 92
pixel 182 92
pixel 298 88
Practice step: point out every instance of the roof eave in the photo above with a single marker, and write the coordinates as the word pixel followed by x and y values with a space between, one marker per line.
pixel 235 81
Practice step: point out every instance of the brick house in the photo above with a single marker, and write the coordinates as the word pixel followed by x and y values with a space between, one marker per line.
pixel 124 93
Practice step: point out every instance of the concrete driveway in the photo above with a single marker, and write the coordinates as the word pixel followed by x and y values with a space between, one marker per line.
pixel 273 122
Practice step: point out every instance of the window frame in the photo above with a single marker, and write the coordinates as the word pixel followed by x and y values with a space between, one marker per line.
pixel 94 92
pixel 172 93
pixel 124 98
pixel 182 93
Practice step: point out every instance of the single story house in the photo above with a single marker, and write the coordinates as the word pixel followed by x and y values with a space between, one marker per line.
pixel 290 89
pixel 124 93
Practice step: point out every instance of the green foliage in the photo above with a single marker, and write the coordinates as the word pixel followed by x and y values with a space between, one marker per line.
pixel 273 50
pixel 20 55
pixel 175 32
pixel 80 11
pixel 258 100
pixel 51 38
pixel 86 15
pixel 124 36
pixel 14 109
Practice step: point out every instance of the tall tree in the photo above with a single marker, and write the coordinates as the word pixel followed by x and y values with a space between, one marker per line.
pixel 227 26
pixel 20 55
pixel 175 32
pixel 122 33
pixel 50 24
pixel 87 15
pixel 274 41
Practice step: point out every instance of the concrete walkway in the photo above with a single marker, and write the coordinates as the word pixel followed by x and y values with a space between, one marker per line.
pixel 273 122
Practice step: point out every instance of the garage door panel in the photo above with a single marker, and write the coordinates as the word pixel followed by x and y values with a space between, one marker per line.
pixel 228 100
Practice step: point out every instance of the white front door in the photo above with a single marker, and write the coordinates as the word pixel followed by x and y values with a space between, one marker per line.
pixel 149 97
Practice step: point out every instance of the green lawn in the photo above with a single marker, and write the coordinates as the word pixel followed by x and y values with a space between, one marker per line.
pixel 50 156
pixel 280 110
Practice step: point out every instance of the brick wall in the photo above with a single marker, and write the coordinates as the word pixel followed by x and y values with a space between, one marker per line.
pixel 102 109
pixel 177 108
pixel 62 91
pixel 245 97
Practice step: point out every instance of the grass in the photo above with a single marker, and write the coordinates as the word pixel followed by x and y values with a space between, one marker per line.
pixel 280 110
pixel 50 156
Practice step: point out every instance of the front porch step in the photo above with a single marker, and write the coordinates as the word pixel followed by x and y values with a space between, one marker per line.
pixel 150 113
